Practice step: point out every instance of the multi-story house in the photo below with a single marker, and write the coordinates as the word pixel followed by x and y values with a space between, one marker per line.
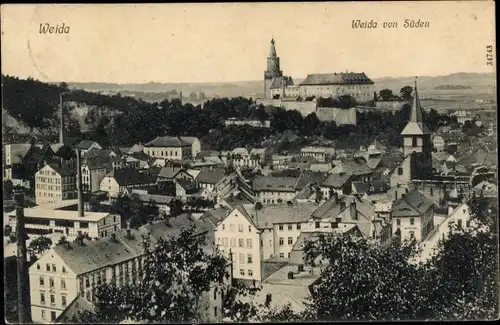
pixel 117 181
pixel 359 170
pixel 174 148
pixel 412 216
pixel 321 154
pixel 74 271
pixel 93 172
pixel 54 183
pixel 241 157
pixel 438 143
pixel 271 190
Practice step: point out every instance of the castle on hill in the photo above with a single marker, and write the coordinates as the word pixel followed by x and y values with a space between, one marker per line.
pixel 325 85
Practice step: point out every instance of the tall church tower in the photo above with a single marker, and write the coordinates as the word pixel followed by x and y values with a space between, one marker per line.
pixel 417 144
pixel 273 70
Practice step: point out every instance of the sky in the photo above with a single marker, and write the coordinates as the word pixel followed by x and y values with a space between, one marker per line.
pixel 230 41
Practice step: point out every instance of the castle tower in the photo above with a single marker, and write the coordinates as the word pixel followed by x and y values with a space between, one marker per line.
pixel 273 70
pixel 417 143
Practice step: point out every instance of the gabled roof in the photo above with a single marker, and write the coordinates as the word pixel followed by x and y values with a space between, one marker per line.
pixel 336 180
pixel 353 168
pixel 168 142
pixel 129 176
pixel 169 172
pixel 308 177
pixel 186 184
pixel 276 184
pixel 85 144
pixel 270 215
pixel 62 170
pixel 414 204
pixel 211 175
pixel 336 79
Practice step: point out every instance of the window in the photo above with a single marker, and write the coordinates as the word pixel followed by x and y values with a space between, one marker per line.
pixel 43 314
pixel 412 221
pixel 233 242
pixel 290 240
pixel 249 228
pixel 412 234
pixel 47 267
pixel 467 223
pixel 37 266
pixel 298 226
pixel 42 297
pixel 242 272
pixel 51 282
pixel 400 170
pixel 240 228
pixel 242 258
pixel 241 242
pixel 215 311
pixel 223 227
pixel 215 293
pixel 249 259
pixel 290 227
pixel 459 223
pixel 87 282
pixel 250 272
pixel 42 282
pixel 63 284
pixel 87 295
pixel 280 227
pixel 282 241
pixel 414 142
pixel 288 255
pixel 398 222
pixel 63 301
pixel 52 316
pixel 224 242
pixel 316 225
pixel 54 269
pixel 52 299
pixel 231 227
pixel 282 255
pixel 249 243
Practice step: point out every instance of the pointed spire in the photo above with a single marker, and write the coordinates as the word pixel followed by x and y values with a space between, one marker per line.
pixel 272 52
pixel 416 110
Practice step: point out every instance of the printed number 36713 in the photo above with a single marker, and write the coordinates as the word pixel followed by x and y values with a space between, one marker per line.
pixel 489 55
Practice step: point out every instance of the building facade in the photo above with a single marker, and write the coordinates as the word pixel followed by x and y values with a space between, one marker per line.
pixel 54 184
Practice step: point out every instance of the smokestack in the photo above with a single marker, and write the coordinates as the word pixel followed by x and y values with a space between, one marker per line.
pixel 79 183
pixel 61 121
pixel 23 290
pixel 180 96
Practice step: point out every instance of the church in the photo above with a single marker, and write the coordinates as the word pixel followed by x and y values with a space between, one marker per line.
pixel 277 86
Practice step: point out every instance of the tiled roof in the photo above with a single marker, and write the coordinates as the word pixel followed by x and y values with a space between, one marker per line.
pixel 320 167
pixel 168 142
pixel 186 184
pixel 130 176
pixel 414 204
pixel 361 187
pixel 336 79
pixel 352 167
pixel 276 184
pixel 277 214
pixel 96 254
pixel 62 170
pixel 85 144
pixel 135 148
pixel 336 180
pixel 211 175
pixel 309 178
pixel 169 172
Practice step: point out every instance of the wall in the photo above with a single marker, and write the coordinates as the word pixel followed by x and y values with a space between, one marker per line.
pixel 286 248
pixel 340 116
pixel 389 106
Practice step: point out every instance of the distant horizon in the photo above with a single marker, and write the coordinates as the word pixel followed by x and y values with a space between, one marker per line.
pixel 235 81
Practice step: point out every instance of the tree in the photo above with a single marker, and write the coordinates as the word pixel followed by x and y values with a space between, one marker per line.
pixel 8 189
pixel 406 93
pixel 176 207
pixel 362 281
pixel 386 94
pixel 62 241
pixel 38 246
pixel 346 101
pixel 465 272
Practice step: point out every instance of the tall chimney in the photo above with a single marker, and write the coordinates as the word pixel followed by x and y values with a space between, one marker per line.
pixel 79 183
pixel 23 289
pixel 180 96
pixel 61 121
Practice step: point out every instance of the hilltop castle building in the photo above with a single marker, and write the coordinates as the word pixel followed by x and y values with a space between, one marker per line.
pixel 277 86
